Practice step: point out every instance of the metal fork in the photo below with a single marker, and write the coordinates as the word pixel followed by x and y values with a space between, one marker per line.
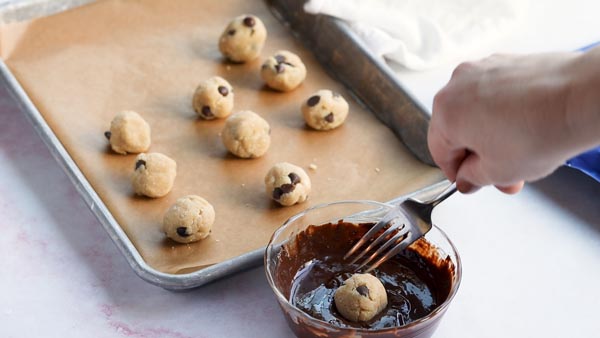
pixel 405 223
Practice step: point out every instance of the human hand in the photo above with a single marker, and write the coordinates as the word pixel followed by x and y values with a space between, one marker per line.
pixel 509 119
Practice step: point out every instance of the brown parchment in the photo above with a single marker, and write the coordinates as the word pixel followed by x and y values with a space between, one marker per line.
pixel 82 66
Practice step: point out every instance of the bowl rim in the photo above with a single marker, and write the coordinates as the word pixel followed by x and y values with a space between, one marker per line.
pixel 281 298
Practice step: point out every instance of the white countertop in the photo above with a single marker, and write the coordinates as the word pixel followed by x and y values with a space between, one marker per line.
pixel 530 261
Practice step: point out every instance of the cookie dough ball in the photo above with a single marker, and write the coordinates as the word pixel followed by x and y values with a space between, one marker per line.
pixel 325 110
pixel 213 98
pixel 190 219
pixel 154 175
pixel 246 135
pixel 283 71
pixel 360 298
pixel 243 39
pixel 287 184
pixel 129 133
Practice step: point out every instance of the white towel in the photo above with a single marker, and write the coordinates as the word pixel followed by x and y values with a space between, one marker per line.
pixel 421 34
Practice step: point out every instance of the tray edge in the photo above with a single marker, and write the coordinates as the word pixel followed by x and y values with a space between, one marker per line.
pixel 321 32
pixel 110 225
pixel 178 282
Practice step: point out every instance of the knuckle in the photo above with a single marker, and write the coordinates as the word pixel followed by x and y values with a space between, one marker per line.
pixel 441 101
pixel 444 109
pixel 438 103
pixel 463 68
pixel 498 56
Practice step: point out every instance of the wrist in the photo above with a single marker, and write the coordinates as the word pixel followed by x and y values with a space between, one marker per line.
pixel 582 112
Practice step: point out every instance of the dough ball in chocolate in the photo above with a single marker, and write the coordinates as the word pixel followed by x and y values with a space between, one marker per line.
pixel 246 134
pixel 129 133
pixel 287 184
pixel 190 219
pixel 283 71
pixel 243 39
pixel 213 98
pixel 154 175
pixel 360 298
pixel 325 110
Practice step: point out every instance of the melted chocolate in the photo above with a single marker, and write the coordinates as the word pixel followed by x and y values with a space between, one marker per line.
pixel 312 267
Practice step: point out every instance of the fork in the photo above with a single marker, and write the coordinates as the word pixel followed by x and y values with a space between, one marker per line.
pixel 405 223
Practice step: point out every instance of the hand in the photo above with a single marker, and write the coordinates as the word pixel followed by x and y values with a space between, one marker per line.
pixel 509 119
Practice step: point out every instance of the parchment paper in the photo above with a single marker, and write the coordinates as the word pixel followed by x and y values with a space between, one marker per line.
pixel 83 66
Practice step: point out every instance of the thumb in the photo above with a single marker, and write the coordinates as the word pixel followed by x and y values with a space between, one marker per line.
pixel 470 175
pixel 511 189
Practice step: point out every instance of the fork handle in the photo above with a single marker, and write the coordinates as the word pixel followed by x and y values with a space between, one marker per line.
pixel 451 189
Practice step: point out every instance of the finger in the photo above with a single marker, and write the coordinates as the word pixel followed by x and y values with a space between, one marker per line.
pixel 466 187
pixel 471 171
pixel 511 189
pixel 463 185
pixel 447 156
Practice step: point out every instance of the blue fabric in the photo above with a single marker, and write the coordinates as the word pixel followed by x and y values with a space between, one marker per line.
pixel 588 47
pixel 588 162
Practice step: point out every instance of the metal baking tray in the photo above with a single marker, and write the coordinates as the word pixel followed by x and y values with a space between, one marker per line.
pixel 366 76
pixel 19 10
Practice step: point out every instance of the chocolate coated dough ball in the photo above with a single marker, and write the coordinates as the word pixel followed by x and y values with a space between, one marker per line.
pixel 190 219
pixel 246 135
pixel 243 39
pixel 283 71
pixel 360 298
pixel 287 184
pixel 129 133
pixel 213 98
pixel 325 110
pixel 154 175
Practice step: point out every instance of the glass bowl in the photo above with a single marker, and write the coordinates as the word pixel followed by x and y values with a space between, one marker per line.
pixel 280 280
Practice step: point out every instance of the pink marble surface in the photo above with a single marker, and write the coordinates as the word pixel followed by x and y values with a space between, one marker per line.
pixel 530 261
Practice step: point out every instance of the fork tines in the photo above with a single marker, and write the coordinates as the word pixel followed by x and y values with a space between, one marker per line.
pixel 395 233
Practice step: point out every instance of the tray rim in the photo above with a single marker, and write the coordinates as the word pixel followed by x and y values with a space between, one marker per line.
pixel 308 28
pixel 173 282
pixel 104 216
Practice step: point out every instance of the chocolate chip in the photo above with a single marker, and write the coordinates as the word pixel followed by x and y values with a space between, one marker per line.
pixel 287 188
pixel 252 32
pixel 294 178
pixel 107 134
pixel 223 90
pixel 231 32
pixel 279 58
pixel 363 290
pixel 140 163
pixel 329 117
pixel 279 68
pixel 277 192
pixel 206 111
pixel 182 231
pixel 313 101
pixel 249 21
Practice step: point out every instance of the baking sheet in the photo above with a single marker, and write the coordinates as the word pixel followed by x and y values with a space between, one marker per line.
pixel 82 66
